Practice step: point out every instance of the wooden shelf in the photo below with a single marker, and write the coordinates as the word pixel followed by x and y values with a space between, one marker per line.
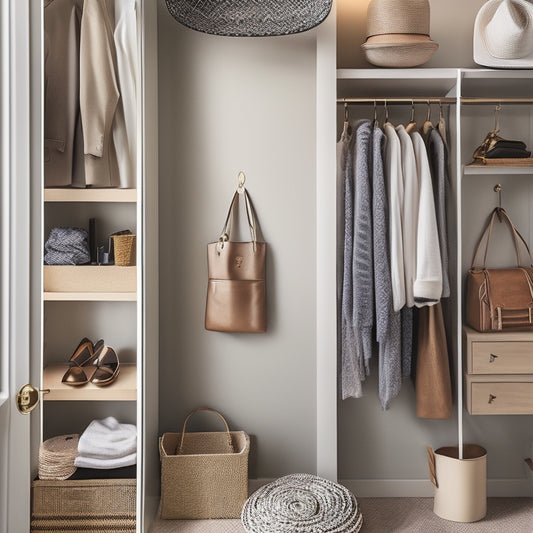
pixel 124 389
pixel 90 296
pixel 90 195
pixel 488 170
pixel 89 283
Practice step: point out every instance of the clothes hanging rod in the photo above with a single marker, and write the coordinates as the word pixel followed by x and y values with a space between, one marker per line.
pixel 393 100
pixel 468 100
pixel 476 100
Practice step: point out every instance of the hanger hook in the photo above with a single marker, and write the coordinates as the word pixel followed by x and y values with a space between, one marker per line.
pixel 386 110
pixel 440 110
pixel 242 178
pixel 346 115
pixel 497 110
pixel 428 116
pixel 375 111
pixel 498 189
pixel 412 110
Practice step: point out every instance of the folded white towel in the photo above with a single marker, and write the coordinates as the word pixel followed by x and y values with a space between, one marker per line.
pixel 105 464
pixel 108 439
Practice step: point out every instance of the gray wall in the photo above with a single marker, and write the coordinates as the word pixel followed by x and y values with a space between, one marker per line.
pixel 226 105
pixel 229 104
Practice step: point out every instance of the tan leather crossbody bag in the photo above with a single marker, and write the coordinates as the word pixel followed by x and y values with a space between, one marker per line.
pixel 500 299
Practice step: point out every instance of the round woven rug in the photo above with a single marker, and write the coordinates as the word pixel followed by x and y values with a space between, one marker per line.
pixel 301 503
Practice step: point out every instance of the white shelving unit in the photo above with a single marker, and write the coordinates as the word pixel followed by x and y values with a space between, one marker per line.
pixel 70 302
pixel 468 125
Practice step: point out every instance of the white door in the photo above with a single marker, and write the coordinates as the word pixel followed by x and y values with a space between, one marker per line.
pixel 19 434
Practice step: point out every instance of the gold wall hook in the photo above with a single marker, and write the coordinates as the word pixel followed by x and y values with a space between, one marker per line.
pixel 241 180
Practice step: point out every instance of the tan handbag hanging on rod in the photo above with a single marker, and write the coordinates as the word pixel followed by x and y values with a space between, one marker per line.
pixel 236 292
pixel 500 298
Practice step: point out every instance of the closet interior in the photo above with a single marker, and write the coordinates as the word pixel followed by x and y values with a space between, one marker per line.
pixel 98 175
pixel 384 449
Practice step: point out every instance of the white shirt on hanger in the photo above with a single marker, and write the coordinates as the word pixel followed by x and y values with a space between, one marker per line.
pixel 409 212
pixel 125 123
pixel 394 179
pixel 428 281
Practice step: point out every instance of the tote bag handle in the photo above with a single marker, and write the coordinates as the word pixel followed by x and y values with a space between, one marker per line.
pixel 230 443
pixel 225 235
pixel 487 234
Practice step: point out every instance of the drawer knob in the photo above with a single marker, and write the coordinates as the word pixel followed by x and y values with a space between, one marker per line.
pixel 492 358
pixel 491 398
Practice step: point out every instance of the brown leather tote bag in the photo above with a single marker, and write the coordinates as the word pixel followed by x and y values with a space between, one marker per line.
pixel 500 299
pixel 236 292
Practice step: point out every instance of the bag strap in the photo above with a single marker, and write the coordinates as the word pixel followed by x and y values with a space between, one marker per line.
pixel 180 447
pixel 487 234
pixel 250 215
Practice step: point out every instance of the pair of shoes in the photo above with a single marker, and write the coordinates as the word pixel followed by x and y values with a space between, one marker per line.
pixel 103 357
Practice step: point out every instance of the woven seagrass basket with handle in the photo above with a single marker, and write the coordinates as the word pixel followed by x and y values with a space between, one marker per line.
pixel 203 474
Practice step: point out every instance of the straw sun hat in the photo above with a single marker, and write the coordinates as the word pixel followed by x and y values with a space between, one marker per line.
pixel 503 34
pixel 398 33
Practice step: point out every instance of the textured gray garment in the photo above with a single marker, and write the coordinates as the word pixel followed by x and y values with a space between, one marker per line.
pixel 438 162
pixel 351 369
pixel 67 246
pixel 387 321
pixel 407 340
pixel 363 271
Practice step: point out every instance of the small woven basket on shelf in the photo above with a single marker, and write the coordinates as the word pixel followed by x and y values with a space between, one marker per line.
pixel 124 250
pixel 56 457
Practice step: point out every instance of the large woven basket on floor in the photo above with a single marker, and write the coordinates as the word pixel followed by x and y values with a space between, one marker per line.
pixel 302 503
pixel 203 475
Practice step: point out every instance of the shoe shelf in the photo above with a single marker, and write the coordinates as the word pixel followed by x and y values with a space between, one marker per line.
pixel 124 388
pixel 90 195
pixel 89 296
pixel 89 283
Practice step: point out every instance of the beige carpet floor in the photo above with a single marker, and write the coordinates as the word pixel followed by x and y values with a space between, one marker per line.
pixel 395 515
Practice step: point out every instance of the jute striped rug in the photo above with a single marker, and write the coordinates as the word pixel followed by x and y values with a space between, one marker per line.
pixel 395 515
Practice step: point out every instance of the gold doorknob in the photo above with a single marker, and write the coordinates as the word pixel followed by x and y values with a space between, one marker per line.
pixel 27 398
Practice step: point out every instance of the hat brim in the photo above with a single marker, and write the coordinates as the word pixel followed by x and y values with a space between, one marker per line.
pixel 398 54
pixel 481 54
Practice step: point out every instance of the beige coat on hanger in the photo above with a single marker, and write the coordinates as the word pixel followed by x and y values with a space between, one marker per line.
pixel 99 93
pixel 61 89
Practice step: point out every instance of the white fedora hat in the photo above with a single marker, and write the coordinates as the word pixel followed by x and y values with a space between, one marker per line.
pixel 503 34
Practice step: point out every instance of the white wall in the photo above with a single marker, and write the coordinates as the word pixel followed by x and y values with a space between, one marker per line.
pixel 229 104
